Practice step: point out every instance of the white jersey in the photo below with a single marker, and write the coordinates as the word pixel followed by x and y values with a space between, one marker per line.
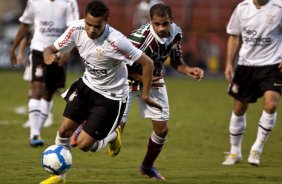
pixel 260 30
pixel 50 20
pixel 105 58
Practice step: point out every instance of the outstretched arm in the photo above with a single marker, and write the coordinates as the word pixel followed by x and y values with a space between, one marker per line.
pixel 181 67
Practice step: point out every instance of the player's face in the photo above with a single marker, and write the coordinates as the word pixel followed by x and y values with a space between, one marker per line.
pixel 94 26
pixel 161 25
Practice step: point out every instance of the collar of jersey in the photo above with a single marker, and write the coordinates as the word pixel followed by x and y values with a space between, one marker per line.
pixel 164 40
pixel 103 35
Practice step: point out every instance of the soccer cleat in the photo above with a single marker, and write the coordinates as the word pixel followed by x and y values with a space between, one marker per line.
pixel 75 136
pixel 36 141
pixel 254 158
pixel 54 179
pixel 26 124
pixel 231 159
pixel 49 120
pixel 115 146
pixel 151 172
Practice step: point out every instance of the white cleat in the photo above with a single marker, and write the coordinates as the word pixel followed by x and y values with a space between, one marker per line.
pixel 254 158
pixel 49 120
pixel 231 159
pixel 26 124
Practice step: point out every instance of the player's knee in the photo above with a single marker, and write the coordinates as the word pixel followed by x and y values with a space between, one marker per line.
pixel 162 131
pixel 270 107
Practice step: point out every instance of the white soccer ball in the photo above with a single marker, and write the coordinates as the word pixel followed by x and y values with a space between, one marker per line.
pixel 56 159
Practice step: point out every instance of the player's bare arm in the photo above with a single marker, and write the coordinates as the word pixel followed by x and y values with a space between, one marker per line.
pixel 147 73
pixel 181 67
pixel 23 30
pixel 232 47
pixel 155 80
pixel 49 55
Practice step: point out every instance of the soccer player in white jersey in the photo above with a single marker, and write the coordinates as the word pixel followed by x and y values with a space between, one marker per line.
pixel 258 73
pixel 50 19
pixel 159 40
pixel 97 100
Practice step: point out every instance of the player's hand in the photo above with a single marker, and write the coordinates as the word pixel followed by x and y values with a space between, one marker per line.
pixel 50 58
pixel 13 58
pixel 148 100
pixel 228 73
pixel 196 73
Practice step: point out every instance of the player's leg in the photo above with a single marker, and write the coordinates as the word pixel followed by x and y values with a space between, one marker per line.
pixel 237 126
pixel 130 99
pixel 265 125
pixel 154 147
pixel 66 129
pixel 160 130
pixel 37 87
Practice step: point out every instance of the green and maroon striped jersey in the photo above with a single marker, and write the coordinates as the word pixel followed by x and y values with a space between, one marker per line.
pixel 158 49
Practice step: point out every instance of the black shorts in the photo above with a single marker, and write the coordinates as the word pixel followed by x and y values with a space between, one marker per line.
pixel 102 115
pixel 54 76
pixel 250 83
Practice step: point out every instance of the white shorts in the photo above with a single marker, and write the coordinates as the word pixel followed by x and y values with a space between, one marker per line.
pixel 146 111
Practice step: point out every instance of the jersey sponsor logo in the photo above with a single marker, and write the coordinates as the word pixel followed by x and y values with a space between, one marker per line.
pixel 119 50
pixel 99 73
pixel 46 27
pixel 67 37
pixel 250 38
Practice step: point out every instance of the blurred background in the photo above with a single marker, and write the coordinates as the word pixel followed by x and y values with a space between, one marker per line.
pixel 203 23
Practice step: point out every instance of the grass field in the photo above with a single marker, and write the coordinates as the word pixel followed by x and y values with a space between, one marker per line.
pixel 193 152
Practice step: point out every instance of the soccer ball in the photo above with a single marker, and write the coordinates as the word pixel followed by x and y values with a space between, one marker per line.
pixel 56 159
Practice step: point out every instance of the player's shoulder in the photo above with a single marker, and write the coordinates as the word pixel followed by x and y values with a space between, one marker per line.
pixel 140 34
pixel 277 3
pixel 77 25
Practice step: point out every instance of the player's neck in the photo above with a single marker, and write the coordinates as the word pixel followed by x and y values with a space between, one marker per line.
pixel 260 3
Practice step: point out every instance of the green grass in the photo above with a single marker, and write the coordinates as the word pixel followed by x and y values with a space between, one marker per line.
pixel 193 152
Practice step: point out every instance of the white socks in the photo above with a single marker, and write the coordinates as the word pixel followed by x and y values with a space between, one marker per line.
pixel 236 129
pixel 45 108
pixel 266 123
pixel 34 116
pixel 102 143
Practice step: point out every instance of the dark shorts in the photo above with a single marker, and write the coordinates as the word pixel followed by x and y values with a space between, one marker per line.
pixel 102 115
pixel 54 76
pixel 250 83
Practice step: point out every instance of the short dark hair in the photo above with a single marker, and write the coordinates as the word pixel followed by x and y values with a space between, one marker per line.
pixel 161 9
pixel 97 8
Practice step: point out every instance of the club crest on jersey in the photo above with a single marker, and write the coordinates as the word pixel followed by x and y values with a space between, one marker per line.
pixel 38 71
pixel 269 19
pixel 72 96
pixel 100 53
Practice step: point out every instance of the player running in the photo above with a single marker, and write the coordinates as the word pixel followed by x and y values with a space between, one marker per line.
pixel 160 39
pixel 99 96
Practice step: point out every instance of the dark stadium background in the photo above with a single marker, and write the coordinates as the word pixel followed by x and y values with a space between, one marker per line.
pixel 203 24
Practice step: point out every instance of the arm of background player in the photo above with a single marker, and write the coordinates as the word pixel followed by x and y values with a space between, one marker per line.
pixel 24 28
pixel 232 47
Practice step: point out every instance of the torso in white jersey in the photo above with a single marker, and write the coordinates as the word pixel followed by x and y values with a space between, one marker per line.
pixel 105 58
pixel 260 30
pixel 50 20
